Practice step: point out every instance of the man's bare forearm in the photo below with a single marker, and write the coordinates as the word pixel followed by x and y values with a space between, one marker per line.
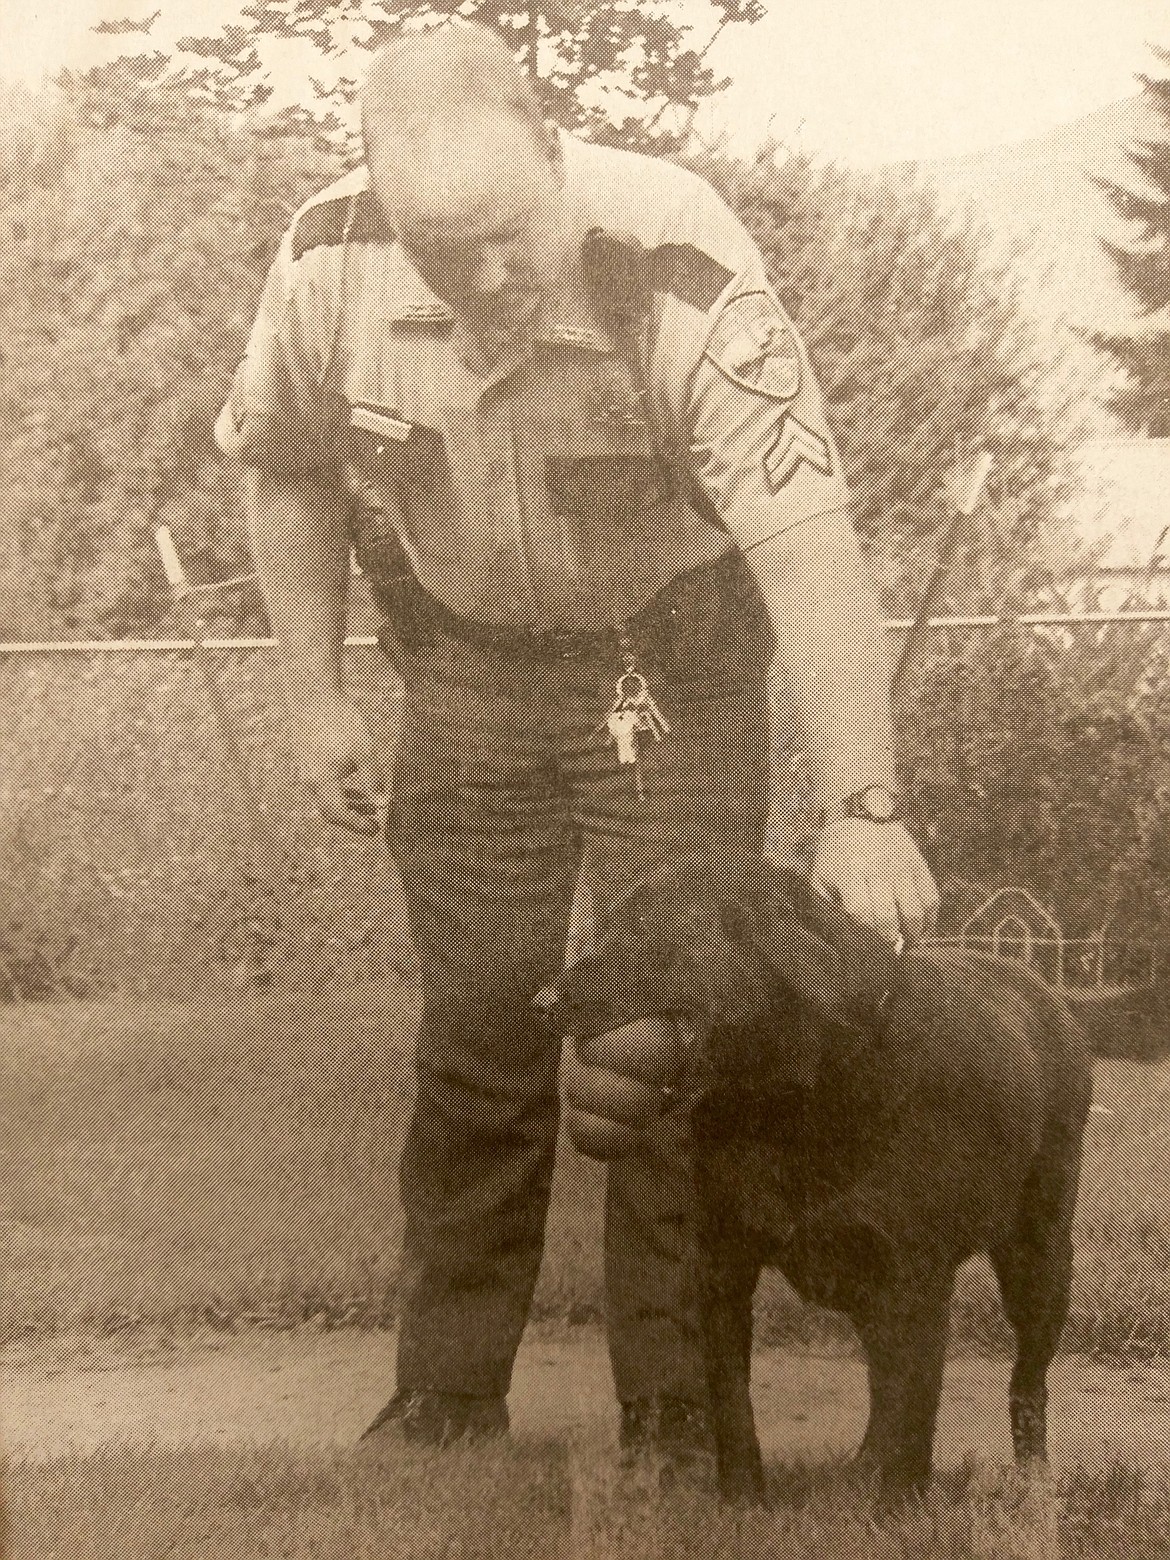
pixel 300 546
pixel 831 655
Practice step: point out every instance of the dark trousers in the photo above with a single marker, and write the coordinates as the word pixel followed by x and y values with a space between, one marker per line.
pixel 506 790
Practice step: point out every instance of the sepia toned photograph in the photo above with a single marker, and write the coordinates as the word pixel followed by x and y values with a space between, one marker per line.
pixel 585 780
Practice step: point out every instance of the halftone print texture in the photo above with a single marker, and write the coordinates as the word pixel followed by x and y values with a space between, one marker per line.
pixel 283 1152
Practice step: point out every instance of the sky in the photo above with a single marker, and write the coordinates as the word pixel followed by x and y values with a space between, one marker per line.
pixel 862 81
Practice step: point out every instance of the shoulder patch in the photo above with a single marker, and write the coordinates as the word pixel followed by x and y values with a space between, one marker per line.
pixel 327 224
pixel 689 274
pixel 754 345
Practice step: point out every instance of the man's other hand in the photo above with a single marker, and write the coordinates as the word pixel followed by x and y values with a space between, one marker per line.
pixel 876 872
pixel 336 758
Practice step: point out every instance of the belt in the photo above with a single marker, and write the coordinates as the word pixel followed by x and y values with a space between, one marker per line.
pixel 413 611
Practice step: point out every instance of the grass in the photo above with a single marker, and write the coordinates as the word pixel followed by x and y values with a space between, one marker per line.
pixel 123 1505
pixel 225 1162
pixel 534 1501
pixel 235 1161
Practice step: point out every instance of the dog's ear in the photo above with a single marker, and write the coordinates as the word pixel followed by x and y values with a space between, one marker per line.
pixel 715 969
pixel 767 922
pixel 750 919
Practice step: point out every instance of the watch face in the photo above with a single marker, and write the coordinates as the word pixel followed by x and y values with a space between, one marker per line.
pixel 879 804
pixel 876 804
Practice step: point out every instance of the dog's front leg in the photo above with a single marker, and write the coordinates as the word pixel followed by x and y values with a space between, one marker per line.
pixel 729 1284
pixel 903 1329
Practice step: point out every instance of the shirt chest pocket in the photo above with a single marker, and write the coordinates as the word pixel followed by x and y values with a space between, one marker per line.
pixel 615 486
pixel 599 455
pixel 390 455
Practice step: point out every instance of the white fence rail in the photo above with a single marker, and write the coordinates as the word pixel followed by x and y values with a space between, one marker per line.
pixel 1034 620
pixel 121 814
pixel 1078 966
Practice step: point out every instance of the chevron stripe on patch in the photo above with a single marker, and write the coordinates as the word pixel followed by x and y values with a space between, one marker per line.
pixel 793 445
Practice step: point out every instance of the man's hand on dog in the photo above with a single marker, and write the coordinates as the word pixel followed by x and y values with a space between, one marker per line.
pixel 876 872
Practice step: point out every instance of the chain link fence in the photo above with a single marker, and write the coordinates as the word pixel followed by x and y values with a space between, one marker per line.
pixel 154 837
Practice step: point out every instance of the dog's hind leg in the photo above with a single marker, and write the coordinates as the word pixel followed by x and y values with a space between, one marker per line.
pixel 1034 1269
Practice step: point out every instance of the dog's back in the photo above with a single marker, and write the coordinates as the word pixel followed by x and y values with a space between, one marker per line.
pixel 965 1104
pixel 999 1025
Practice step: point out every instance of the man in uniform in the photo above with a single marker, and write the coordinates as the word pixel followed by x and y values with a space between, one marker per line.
pixel 546 392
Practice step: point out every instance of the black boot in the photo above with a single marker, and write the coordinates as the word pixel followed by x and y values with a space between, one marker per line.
pixel 673 1433
pixel 431 1418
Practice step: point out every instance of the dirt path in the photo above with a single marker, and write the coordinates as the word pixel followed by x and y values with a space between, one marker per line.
pixel 321 1390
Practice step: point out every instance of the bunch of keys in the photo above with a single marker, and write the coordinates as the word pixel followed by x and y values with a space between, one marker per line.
pixel 633 713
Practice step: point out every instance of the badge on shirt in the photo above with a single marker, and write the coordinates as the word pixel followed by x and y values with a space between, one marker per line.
pixel 755 347
pixel 794 445
pixel 613 403
pixel 559 335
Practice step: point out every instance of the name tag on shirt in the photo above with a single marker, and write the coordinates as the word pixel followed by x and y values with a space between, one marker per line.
pixel 378 423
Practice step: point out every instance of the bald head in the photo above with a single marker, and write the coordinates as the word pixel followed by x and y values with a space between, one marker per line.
pixel 428 88
pixel 468 172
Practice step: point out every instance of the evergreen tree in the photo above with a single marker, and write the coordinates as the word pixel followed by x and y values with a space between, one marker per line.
pixel 1143 399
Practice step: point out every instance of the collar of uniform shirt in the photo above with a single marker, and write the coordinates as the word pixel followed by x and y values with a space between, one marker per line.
pixel 566 317
pixel 488 359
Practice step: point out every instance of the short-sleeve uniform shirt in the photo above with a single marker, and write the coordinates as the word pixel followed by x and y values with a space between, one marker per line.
pixel 571 482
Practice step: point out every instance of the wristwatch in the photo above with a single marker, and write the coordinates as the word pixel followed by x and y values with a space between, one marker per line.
pixel 874 804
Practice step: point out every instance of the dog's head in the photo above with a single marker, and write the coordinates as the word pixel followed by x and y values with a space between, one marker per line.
pixel 686 942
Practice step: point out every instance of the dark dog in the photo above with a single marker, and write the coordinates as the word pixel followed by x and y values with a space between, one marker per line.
pixel 866 1162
